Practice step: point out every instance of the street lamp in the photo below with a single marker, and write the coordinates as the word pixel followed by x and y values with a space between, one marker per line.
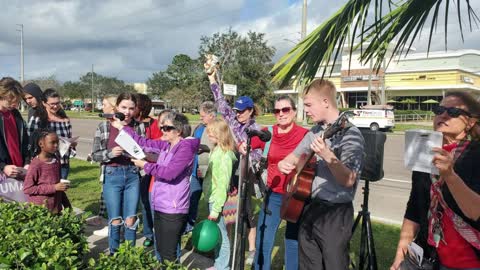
pixel 21 52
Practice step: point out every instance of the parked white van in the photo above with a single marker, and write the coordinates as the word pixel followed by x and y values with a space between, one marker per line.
pixel 374 117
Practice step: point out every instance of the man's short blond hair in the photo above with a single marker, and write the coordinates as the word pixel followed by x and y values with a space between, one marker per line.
pixel 324 88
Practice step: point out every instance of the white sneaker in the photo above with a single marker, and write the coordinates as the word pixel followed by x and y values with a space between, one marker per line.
pixel 101 232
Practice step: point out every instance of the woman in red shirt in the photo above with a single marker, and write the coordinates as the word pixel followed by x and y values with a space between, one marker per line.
pixel 443 211
pixel 286 136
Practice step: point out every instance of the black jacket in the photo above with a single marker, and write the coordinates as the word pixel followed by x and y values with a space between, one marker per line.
pixel 22 135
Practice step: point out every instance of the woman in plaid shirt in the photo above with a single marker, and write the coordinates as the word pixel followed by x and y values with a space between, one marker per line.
pixel 121 187
pixel 54 118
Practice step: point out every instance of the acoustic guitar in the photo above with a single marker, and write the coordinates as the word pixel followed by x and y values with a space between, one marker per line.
pixel 299 187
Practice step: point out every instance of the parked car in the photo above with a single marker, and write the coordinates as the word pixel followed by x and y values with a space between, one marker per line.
pixel 374 117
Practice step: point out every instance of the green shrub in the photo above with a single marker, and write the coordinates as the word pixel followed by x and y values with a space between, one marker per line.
pixel 128 257
pixel 33 238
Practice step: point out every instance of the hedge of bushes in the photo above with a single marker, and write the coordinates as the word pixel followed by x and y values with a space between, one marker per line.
pixel 33 238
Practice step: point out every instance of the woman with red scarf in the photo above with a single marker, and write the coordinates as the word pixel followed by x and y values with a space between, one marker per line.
pixel 443 211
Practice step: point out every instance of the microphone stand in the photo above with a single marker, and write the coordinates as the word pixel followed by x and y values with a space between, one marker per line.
pixel 242 212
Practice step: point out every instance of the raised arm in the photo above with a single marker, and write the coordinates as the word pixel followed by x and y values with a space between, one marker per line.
pixel 467 199
pixel 144 142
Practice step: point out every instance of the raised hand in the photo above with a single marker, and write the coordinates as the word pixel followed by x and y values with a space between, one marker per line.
pixel 211 67
pixel 443 160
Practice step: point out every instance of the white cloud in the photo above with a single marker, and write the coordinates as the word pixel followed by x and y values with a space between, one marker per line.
pixel 133 39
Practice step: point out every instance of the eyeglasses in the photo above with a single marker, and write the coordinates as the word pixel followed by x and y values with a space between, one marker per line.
pixel 283 110
pixel 167 128
pixel 53 104
pixel 451 111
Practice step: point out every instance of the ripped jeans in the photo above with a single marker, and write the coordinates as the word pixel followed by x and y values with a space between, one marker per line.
pixel 121 192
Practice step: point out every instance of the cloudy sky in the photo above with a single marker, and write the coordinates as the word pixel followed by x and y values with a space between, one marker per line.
pixel 132 39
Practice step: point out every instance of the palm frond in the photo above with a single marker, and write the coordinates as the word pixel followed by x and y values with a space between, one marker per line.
pixel 403 22
pixel 320 45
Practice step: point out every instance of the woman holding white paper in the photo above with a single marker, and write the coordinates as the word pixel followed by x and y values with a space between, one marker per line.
pixel 52 116
pixel 443 211
pixel 170 196
pixel 121 186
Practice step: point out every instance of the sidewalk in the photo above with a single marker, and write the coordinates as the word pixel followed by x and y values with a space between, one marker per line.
pixel 99 244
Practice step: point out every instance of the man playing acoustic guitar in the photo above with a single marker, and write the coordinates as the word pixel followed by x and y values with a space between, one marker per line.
pixel 327 218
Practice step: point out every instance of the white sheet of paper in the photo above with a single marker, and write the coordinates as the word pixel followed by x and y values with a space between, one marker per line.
pixel 418 154
pixel 65 144
pixel 129 145
pixel 416 251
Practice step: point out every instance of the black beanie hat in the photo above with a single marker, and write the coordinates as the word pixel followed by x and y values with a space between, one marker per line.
pixel 34 90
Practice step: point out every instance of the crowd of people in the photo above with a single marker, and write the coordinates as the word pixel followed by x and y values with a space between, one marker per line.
pixel 442 214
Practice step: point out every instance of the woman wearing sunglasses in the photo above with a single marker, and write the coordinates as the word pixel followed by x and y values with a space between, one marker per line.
pixel 286 136
pixel 443 211
pixel 170 196
pixel 239 119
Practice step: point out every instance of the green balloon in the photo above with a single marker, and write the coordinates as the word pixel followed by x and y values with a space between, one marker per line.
pixel 206 235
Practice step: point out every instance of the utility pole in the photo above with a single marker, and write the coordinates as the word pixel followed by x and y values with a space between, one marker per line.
pixel 299 85
pixel 369 91
pixel 92 89
pixel 21 53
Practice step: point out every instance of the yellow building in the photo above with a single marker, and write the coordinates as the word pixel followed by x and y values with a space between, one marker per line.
pixel 415 81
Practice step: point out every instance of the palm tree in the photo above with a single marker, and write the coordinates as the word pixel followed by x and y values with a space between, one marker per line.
pixel 403 22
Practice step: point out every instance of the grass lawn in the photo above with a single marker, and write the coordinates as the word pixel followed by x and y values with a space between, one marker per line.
pixel 85 194
pixel 406 126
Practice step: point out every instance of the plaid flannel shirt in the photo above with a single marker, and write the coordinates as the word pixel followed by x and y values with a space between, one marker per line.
pixel 63 129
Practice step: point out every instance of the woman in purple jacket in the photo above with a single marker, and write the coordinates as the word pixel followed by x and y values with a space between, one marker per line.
pixel 171 190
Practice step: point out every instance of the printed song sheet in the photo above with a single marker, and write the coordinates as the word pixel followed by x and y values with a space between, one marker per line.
pixel 418 154
pixel 129 145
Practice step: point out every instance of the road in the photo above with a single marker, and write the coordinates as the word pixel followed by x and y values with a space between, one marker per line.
pixel 388 197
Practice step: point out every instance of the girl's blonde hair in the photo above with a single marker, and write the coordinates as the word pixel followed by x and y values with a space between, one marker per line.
pixel 112 100
pixel 220 129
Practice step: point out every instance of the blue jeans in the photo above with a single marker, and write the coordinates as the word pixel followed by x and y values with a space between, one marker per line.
pixel 267 229
pixel 222 252
pixel 64 170
pixel 121 191
pixel 195 194
pixel 146 207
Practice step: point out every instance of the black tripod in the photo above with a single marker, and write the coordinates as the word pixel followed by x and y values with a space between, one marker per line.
pixel 367 247
pixel 238 260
